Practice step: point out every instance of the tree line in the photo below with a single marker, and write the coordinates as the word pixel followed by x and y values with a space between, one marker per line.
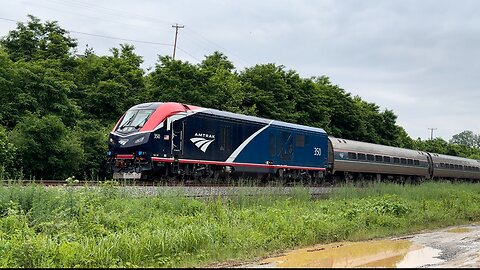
pixel 57 106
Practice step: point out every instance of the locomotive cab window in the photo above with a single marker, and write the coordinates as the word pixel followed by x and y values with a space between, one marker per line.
pixel 134 120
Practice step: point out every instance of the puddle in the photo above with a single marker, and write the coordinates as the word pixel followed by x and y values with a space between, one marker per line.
pixel 459 230
pixel 381 253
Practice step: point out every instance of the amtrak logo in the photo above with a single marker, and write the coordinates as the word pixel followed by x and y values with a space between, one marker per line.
pixel 123 141
pixel 202 143
pixel 205 135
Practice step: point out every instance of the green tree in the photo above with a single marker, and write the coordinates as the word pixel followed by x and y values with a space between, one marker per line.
pixel 267 88
pixel 34 87
pixel 309 103
pixel 48 149
pixel 467 138
pixel 177 81
pixel 223 89
pixel 93 136
pixel 108 85
pixel 345 121
pixel 35 40
pixel 8 155
pixel 437 145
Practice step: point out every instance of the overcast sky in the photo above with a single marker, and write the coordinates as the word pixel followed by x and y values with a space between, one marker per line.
pixel 420 59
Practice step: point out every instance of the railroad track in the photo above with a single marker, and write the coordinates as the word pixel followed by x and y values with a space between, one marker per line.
pixel 187 189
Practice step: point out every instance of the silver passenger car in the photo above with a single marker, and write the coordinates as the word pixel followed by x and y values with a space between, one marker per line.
pixel 367 158
pixel 455 167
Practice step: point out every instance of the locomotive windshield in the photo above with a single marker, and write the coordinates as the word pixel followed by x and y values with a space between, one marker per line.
pixel 134 120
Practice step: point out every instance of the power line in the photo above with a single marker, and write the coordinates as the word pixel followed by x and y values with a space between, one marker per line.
pixel 103 36
pixel 75 5
pixel 176 33
pixel 125 39
pixel 215 45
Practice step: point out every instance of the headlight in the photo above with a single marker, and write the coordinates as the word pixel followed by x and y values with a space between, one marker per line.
pixel 139 140
pixel 112 141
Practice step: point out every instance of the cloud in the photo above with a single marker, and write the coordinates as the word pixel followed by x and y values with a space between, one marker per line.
pixel 418 58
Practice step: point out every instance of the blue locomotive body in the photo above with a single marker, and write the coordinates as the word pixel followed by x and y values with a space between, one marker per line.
pixel 192 141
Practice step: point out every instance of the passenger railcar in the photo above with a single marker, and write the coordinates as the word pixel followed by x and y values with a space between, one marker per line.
pixel 350 159
pixel 173 139
pixel 445 166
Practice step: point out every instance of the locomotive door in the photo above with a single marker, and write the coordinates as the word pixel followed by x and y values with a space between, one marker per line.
pixel 178 128
pixel 286 146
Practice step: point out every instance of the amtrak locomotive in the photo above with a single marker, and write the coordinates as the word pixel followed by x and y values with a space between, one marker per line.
pixel 173 139
pixel 156 140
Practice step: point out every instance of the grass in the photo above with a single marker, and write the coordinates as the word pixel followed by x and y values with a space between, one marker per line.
pixel 107 227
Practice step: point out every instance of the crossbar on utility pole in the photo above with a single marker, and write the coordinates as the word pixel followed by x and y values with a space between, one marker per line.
pixel 176 33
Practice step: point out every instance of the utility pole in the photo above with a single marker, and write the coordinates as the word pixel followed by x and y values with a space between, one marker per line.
pixel 176 33
pixel 431 132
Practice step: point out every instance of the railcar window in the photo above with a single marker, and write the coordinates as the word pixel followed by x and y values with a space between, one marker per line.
pixel 370 157
pixel 361 156
pixel 352 155
pixel 442 165
pixel 460 167
pixel 386 159
pixel 300 140
pixel 416 162
pixel 378 158
pixel 403 161
pixel 410 161
pixel 396 160
pixel 452 166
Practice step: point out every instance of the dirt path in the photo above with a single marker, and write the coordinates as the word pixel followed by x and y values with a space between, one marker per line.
pixel 455 247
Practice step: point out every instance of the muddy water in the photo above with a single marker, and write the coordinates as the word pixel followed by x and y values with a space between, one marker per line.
pixel 459 230
pixel 381 253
